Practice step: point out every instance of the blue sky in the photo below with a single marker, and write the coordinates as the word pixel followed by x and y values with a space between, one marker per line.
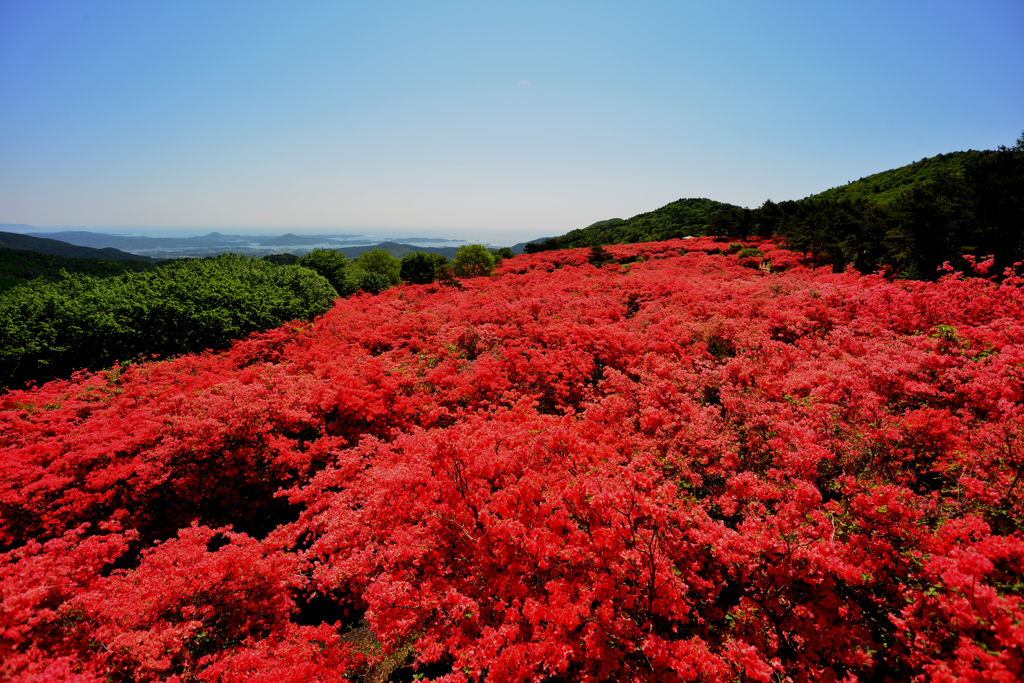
pixel 481 120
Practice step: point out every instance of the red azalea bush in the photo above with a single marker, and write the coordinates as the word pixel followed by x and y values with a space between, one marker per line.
pixel 670 466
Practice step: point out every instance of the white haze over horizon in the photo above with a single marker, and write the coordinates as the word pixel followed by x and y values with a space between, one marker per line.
pixel 362 234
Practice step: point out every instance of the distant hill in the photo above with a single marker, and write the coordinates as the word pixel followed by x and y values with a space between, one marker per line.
pixel 681 218
pixel 98 240
pixel 11 240
pixel 397 250
pixel 884 187
pixel 211 244
pixel 195 246
pixel 18 266
pixel 605 224
pixel 521 247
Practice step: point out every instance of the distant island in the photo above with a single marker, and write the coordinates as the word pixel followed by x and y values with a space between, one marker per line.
pixel 20 236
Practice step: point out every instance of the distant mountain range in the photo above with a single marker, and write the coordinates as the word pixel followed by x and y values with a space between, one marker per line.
pixel 44 245
pixel 213 240
pixel 84 244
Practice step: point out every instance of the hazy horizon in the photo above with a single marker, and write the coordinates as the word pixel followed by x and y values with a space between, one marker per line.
pixel 485 121
pixel 371 233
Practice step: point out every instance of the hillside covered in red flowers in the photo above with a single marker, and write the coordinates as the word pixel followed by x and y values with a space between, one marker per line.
pixel 674 466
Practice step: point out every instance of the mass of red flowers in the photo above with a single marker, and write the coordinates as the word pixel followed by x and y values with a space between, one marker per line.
pixel 673 466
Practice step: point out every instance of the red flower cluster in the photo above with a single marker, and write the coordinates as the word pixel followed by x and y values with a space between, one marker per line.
pixel 677 466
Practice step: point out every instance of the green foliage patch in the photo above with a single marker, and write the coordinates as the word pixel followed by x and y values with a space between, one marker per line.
pixel 333 267
pixel 51 329
pixel 380 263
pixel 887 186
pixel 19 266
pixel 473 260
pixel 420 267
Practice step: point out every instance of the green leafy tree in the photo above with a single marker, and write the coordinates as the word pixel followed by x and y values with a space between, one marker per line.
pixel 768 219
pixel 381 261
pixel 440 261
pixel 419 268
pixel 373 283
pixel 502 254
pixel 444 271
pixel 333 266
pixel 446 276
pixel 599 255
pixel 285 259
pixel 472 260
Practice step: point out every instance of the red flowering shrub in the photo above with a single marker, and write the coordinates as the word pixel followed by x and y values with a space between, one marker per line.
pixel 668 466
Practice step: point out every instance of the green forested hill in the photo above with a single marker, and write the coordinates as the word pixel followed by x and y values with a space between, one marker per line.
pixel 908 220
pixel 678 219
pixel 605 224
pixel 18 266
pixel 396 249
pixel 13 240
pixel 696 216
pixel 885 187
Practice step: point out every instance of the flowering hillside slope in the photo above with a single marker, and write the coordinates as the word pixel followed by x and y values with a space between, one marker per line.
pixel 678 468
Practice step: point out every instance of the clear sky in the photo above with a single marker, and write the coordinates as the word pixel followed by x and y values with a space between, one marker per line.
pixel 480 119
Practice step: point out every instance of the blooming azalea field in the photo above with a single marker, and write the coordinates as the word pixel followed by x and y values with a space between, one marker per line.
pixel 675 466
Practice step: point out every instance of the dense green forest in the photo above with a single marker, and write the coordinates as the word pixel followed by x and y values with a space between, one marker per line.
pixel 908 221
pixel 18 266
pixel 80 313
pixel 887 186
pixel 971 208
pixel 50 329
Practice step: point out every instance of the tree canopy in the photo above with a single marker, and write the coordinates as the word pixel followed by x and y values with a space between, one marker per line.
pixel 18 266
pixel 382 263
pixel 472 260
pixel 333 266
pixel 49 329
pixel 419 267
